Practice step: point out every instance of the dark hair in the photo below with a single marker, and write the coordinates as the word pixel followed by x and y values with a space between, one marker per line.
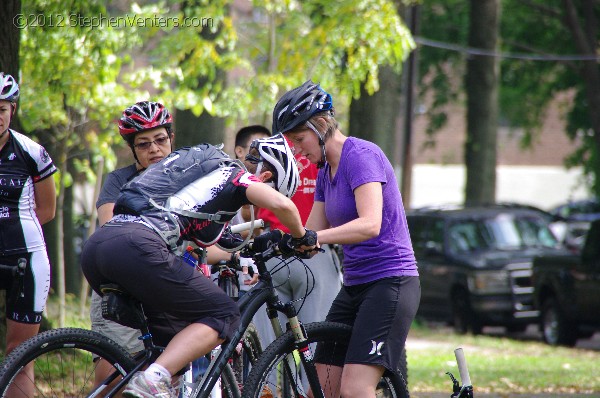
pixel 243 135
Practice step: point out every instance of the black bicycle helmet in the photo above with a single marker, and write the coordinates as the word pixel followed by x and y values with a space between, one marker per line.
pixel 298 105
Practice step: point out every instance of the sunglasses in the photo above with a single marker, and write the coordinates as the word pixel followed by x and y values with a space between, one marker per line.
pixel 252 158
pixel 160 141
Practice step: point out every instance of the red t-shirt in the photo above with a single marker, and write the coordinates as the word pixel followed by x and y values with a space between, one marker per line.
pixel 303 198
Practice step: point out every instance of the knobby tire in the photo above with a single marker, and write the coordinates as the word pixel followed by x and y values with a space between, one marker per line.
pixel 268 377
pixel 64 366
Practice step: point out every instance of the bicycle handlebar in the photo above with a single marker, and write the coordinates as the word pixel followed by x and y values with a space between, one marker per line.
pixel 462 367
pixel 236 229
pixel 274 251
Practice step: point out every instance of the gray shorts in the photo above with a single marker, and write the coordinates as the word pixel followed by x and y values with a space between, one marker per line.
pixel 124 336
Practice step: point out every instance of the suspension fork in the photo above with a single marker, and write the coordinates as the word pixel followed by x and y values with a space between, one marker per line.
pixel 306 355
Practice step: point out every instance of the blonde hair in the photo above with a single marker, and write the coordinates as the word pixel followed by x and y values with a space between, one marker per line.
pixel 326 127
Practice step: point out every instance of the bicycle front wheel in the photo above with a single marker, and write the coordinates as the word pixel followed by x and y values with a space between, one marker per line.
pixel 250 350
pixel 63 361
pixel 280 372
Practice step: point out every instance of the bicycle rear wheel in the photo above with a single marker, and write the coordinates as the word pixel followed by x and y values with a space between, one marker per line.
pixel 63 363
pixel 269 374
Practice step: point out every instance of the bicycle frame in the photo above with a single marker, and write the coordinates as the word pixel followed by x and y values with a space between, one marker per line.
pixel 262 293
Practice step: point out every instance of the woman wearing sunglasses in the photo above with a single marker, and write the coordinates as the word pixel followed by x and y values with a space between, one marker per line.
pixel 146 127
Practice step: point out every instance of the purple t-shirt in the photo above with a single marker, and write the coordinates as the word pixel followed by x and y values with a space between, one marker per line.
pixel 390 253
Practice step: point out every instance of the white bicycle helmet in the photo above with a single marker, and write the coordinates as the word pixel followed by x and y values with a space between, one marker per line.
pixel 276 151
pixel 9 89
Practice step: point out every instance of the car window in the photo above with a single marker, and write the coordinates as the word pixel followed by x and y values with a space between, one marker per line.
pixel 468 236
pixel 436 237
pixel 427 235
pixel 505 231
pixel 417 227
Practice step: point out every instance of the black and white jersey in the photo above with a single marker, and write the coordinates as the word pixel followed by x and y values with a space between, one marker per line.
pixel 23 162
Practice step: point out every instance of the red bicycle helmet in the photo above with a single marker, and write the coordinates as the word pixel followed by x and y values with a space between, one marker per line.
pixel 142 116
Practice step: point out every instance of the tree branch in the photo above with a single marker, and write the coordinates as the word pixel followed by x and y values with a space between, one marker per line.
pixel 544 9
pixel 571 19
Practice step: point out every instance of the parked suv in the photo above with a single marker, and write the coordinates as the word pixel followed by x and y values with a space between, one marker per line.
pixel 475 264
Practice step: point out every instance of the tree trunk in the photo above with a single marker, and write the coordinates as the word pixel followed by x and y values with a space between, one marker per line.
pixel 10 38
pixel 376 117
pixel 60 235
pixel 482 104
pixel 84 286
pixel 72 269
pixel 584 29
pixel 193 130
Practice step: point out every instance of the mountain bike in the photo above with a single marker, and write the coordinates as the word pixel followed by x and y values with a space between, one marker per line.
pixel 63 358
pixel 283 359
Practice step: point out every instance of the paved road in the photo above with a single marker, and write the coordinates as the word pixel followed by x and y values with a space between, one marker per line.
pixel 532 333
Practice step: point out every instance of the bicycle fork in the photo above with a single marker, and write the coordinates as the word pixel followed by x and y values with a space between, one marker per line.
pixel 306 356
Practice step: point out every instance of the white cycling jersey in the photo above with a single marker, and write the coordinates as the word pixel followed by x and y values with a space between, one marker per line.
pixel 23 162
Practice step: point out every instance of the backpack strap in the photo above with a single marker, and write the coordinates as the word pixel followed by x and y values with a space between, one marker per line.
pixel 220 217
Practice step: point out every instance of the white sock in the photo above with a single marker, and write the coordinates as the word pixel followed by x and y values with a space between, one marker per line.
pixel 155 372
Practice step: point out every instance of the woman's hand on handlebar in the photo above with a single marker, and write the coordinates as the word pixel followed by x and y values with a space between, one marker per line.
pixel 307 246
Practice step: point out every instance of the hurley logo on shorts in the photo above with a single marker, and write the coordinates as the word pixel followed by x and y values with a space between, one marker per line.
pixel 376 347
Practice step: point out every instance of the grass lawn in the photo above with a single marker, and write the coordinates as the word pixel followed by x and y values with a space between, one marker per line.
pixel 499 364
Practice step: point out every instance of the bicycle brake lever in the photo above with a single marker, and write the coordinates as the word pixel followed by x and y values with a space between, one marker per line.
pixel 455 385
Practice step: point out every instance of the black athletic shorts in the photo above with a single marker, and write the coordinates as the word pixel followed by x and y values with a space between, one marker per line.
pixel 26 296
pixel 136 258
pixel 380 313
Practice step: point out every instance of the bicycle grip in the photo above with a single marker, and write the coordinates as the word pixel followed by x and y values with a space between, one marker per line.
pixel 462 367
pixel 236 229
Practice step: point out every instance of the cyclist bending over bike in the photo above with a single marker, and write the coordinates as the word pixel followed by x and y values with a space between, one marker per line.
pixel 357 204
pixel 137 247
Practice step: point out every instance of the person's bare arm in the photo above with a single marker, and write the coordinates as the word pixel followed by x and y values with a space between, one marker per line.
pixel 214 255
pixel 369 204
pixel 284 209
pixel 45 200
pixel 317 221
pixel 105 213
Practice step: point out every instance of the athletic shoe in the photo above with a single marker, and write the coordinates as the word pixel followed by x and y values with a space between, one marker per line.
pixel 141 387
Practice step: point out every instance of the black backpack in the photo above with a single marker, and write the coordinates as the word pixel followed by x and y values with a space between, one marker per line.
pixel 147 194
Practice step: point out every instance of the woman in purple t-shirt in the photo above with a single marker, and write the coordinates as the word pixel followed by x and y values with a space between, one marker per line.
pixel 357 204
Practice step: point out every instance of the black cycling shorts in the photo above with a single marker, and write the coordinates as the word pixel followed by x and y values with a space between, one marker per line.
pixel 136 258
pixel 380 313
pixel 26 296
